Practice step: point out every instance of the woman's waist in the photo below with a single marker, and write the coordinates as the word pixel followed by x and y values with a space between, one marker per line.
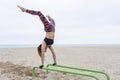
pixel 50 35
pixel 49 28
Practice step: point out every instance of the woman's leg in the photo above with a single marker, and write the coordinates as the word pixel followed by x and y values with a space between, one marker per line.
pixel 41 16
pixel 53 54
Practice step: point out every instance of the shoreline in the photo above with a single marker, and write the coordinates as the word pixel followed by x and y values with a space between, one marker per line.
pixel 57 45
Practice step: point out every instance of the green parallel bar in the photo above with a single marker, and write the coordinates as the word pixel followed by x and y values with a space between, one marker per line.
pixel 33 71
pixel 65 71
pixel 83 69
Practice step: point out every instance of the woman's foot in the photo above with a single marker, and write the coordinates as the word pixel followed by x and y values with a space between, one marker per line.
pixel 22 9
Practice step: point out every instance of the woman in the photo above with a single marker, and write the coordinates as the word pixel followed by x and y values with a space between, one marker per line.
pixel 49 27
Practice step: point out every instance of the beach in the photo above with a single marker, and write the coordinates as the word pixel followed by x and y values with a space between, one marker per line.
pixel 17 63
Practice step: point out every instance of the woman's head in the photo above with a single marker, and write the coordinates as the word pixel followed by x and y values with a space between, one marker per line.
pixel 39 47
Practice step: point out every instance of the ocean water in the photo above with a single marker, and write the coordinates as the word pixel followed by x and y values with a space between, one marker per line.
pixel 56 45
pixel 18 46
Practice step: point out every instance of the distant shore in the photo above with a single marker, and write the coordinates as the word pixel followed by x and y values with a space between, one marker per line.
pixel 56 45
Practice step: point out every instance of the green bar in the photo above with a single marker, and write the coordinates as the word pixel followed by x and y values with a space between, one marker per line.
pixel 33 71
pixel 83 69
pixel 64 71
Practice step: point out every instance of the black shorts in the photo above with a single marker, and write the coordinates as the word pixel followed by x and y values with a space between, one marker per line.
pixel 49 41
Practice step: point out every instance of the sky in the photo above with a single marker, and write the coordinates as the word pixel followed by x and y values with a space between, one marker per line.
pixel 77 21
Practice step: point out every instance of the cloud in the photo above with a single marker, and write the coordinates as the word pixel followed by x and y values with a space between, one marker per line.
pixel 77 21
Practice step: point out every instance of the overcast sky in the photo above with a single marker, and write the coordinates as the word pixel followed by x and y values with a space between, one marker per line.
pixel 77 21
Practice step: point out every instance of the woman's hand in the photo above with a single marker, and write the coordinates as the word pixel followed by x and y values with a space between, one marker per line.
pixel 22 9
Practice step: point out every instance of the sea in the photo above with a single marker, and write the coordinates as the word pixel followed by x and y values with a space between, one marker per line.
pixel 55 45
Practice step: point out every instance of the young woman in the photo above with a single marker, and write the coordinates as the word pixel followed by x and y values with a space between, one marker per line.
pixel 49 27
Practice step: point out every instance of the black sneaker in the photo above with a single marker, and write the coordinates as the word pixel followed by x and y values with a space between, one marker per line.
pixel 41 66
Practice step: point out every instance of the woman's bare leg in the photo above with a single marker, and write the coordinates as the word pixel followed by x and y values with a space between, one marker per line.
pixel 53 53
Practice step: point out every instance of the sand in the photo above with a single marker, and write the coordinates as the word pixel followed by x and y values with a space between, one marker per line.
pixel 17 63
